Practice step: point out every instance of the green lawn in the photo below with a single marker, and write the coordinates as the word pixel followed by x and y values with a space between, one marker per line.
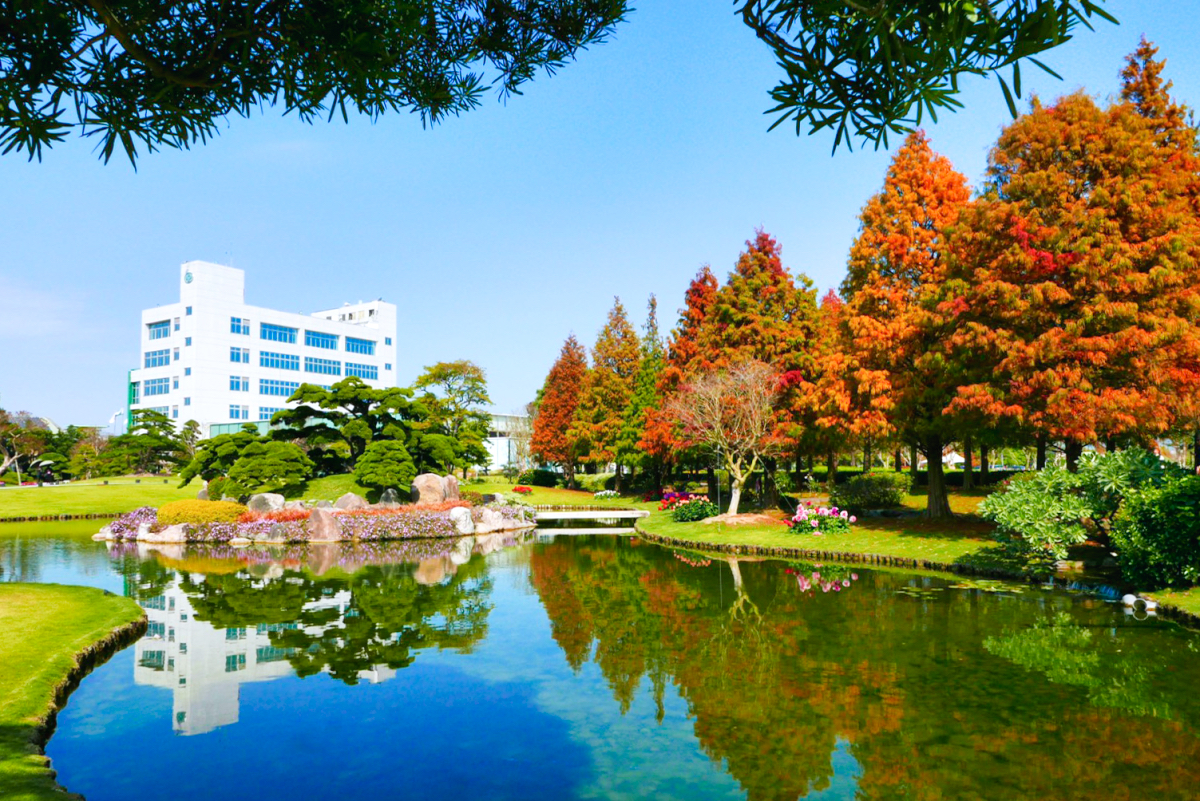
pixel 42 629
pixel 92 497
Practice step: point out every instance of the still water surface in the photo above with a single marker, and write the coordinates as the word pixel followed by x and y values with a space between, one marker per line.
pixel 601 667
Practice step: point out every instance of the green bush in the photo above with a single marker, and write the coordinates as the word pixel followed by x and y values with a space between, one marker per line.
pixel 872 491
pixel 268 467
pixel 1039 516
pixel 538 478
pixel 596 482
pixel 694 509
pixel 385 464
pixel 194 511
pixel 1157 535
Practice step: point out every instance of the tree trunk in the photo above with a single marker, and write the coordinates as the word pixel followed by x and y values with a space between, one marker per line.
pixel 985 469
pixel 912 460
pixel 569 474
pixel 770 493
pixel 968 467
pixel 735 494
pixel 1041 452
pixel 867 457
pixel 1196 451
pixel 831 463
pixel 711 475
pixel 897 461
pixel 1074 451
pixel 938 503
pixel 617 480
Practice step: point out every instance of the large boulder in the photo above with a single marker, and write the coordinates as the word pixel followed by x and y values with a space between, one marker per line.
pixel 450 485
pixel 350 501
pixel 428 488
pixel 173 534
pixel 323 526
pixel 460 516
pixel 202 495
pixel 490 520
pixel 324 505
pixel 264 502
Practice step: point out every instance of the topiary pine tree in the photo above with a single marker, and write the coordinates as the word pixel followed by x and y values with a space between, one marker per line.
pixel 268 467
pixel 385 464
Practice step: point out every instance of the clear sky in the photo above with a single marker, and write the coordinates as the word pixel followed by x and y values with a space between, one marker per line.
pixel 497 233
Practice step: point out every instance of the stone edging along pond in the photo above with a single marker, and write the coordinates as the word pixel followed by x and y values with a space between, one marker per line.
pixel 87 660
pixel 1168 611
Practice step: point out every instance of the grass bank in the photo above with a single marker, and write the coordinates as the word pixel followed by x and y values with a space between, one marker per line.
pixel 50 635
pixel 92 497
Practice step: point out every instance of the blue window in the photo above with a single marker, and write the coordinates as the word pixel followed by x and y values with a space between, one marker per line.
pixel 157 358
pixel 240 355
pixel 174 412
pixel 387 367
pixel 265 412
pixel 316 339
pixel 187 401
pixel 187 342
pixel 175 382
pixel 322 366
pixel 159 330
pixel 239 383
pixel 187 371
pixel 387 340
pixel 278 333
pixel 363 346
pixel 176 323
pixel 282 361
pixel 176 354
pixel 188 311
pixel 239 412
pixel 367 371
pixel 160 409
pixel 270 386
pixel 239 325
pixel 134 393
pixel 157 386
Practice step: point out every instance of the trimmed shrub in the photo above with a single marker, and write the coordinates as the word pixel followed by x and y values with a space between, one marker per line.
pixel 538 478
pixel 1157 535
pixel 595 482
pixel 385 464
pixel 872 491
pixel 199 512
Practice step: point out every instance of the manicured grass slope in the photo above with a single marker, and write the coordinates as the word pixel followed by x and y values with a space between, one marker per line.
pixel 42 628
pixel 92 497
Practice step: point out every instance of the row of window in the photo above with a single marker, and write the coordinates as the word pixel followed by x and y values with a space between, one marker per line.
pixel 239 412
pixel 271 386
pixel 281 361
pixel 156 386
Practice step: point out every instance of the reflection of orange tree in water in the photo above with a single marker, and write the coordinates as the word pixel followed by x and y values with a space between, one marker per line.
pixel 388 614
pixel 928 711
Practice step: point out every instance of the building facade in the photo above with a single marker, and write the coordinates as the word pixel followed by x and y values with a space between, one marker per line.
pixel 508 442
pixel 213 359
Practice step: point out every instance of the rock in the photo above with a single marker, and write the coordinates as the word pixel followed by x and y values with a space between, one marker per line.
pixel 295 505
pixel 350 501
pixel 239 542
pixel 202 495
pixel 102 536
pixel 450 486
pixel 462 551
pixel 389 499
pixel 265 502
pixel 490 497
pixel 433 571
pixel 460 516
pixel 324 505
pixel 428 488
pixel 490 520
pixel 175 533
pixel 323 526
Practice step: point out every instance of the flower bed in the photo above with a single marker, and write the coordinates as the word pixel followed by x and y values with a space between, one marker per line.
pixel 818 520
pixel 688 508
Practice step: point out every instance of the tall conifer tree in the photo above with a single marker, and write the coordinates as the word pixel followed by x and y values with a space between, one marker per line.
pixel 551 441
pixel 607 389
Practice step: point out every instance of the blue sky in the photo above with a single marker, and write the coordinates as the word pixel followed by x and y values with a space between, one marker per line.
pixel 497 233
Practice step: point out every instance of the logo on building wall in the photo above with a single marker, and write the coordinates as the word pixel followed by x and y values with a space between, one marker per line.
pixel 187 277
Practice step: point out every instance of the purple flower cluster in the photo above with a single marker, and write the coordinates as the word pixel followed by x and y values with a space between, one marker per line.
pixel 405 526
pixel 126 526
pixel 515 512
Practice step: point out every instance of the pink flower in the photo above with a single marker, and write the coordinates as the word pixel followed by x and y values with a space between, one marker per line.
pixel 853 519
pixel 854 576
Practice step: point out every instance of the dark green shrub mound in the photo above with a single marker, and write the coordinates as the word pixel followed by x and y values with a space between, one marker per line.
pixel 538 478
pixel 695 509
pixel 872 491
pixel 1157 535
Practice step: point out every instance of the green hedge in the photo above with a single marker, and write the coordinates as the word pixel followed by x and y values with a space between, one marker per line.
pixel 883 490
pixel 538 478
pixel 1157 535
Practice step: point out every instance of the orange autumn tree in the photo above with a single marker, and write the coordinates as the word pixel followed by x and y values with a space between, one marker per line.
pixel 897 260
pixel 551 441
pixel 1075 282
pixel 607 390
pixel 659 438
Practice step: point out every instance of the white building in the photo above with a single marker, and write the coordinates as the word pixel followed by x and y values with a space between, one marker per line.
pixel 213 359
pixel 508 442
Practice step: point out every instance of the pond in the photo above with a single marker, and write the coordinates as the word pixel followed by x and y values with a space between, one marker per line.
pixel 577 666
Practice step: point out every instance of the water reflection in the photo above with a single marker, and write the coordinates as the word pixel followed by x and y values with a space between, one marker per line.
pixel 790 679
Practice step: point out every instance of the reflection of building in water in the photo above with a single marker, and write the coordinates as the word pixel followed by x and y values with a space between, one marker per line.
pixel 204 666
